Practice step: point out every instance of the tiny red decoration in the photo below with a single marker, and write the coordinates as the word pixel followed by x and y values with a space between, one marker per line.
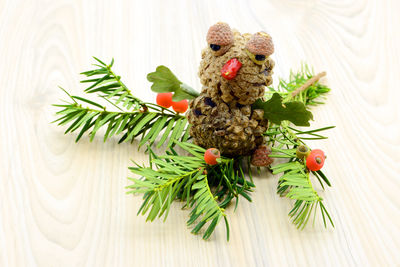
pixel 180 106
pixel 211 155
pixel 315 160
pixel 231 68
pixel 164 100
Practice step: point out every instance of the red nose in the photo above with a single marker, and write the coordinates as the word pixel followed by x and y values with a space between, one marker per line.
pixel 231 68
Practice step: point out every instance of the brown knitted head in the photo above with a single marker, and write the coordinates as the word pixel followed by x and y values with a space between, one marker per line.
pixel 220 38
pixel 222 116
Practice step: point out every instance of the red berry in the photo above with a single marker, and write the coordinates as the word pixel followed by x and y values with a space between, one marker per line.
pixel 315 160
pixel 231 68
pixel 180 106
pixel 164 99
pixel 211 155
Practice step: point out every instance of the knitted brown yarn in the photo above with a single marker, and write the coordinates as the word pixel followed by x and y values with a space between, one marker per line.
pixel 222 116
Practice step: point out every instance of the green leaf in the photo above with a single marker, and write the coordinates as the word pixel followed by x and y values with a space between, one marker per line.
pixel 184 92
pixel 165 81
pixel 276 111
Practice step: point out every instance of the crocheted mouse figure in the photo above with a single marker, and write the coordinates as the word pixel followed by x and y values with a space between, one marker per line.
pixel 234 70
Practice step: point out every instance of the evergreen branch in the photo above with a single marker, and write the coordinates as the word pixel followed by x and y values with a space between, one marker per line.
pixel 301 86
pixel 180 177
pixel 308 83
pixel 103 80
pixel 287 135
pixel 172 179
pixel 295 184
pixel 160 189
pixel 148 124
pixel 228 177
pixel 230 181
pixel 206 207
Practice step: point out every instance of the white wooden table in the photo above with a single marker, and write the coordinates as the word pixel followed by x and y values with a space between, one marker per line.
pixel 64 204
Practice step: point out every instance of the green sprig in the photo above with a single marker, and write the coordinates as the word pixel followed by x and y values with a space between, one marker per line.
pixel 295 181
pixel 206 189
pixel 147 125
pixel 135 118
pixel 312 96
pixel 109 85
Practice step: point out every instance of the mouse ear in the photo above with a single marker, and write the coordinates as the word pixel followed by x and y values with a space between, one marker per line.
pixel 220 34
pixel 260 43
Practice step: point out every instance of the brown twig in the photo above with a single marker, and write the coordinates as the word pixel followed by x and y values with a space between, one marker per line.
pixel 307 84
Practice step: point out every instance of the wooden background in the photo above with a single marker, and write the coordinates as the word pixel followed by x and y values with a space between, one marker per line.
pixel 64 204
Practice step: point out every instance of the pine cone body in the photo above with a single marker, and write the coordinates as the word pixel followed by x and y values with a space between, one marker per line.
pixel 233 129
pixel 222 116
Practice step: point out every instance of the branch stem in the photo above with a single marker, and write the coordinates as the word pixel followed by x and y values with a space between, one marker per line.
pixel 307 84
pixel 80 107
pixel 118 79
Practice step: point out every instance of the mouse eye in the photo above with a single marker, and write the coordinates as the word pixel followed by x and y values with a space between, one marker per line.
pixel 220 38
pixel 259 47
pixel 260 57
pixel 215 47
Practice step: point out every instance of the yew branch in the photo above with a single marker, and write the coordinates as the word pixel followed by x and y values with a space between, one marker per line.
pixel 307 84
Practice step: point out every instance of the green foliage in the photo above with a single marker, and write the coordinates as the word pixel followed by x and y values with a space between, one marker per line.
pixel 282 106
pixel 206 205
pixel 148 125
pixel 230 181
pixel 311 96
pixel 295 184
pixel 173 178
pixel 139 119
pixel 206 189
pixel 179 177
pixel 276 111
pixel 165 81
pixel 105 82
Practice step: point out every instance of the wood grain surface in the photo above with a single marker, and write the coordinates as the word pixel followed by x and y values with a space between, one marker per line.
pixel 64 204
